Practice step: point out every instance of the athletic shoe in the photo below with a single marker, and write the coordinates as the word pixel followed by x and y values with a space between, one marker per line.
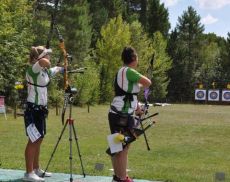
pixel 32 177
pixel 40 173
pixel 128 179
pixel 116 179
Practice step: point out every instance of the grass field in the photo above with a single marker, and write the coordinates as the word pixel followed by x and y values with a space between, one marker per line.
pixel 189 143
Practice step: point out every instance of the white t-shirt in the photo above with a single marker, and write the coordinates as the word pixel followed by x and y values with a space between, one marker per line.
pixel 38 75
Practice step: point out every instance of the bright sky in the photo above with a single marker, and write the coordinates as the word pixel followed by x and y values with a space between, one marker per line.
pixel 214 14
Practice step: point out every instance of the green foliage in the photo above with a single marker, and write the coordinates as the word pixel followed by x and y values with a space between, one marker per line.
pixel 162 63
pixel 189 25
pixel 115 36
pixel 55 95
pixel 41 16
pixel 87 84
pixel 225 57
pixel 102 11
pixel 78 32
pixel 131 12
pixel 210 68
pixel 145 47
pixel 73 20
pixel 15 38
pixel 100 17
pixel 114 7
pixel 96 38
pixel 142 44
pixel 184 48
pixel 143 13
pixel 157 18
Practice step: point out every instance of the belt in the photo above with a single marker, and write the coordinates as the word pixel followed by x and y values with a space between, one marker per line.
pixel 114 109
pixel 31 105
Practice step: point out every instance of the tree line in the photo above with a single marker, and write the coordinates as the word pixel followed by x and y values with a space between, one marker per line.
pixel 95 32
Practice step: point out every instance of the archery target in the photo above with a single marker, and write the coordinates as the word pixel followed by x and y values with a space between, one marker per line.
pixel 200 94
pixel 213 95
pixel 226 95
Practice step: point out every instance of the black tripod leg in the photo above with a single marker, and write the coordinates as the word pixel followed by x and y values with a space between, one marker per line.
pixel 70 149
pixel 55 148
pixel 78 148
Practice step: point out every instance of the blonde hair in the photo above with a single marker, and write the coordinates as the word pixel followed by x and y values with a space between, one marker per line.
pixel 34 53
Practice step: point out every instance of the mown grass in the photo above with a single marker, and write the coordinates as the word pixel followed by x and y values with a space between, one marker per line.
pixel 189 143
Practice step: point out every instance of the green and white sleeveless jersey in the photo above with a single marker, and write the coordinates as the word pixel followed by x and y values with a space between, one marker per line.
pixel 38 75
pixel 127 80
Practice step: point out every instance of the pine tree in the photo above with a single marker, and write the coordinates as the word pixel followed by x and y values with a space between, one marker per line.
pixel 102 11
pixel 99 15
pixel 157 18
pixel 143 13
pixel 224 45
pixel 114 7
pixel 176 86
pixel 132 10
pixel 185 51
pixel 42 11
pixel 78 31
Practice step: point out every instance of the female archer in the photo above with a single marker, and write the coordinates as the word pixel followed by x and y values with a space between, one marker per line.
pixel 127 85
pixel 38 77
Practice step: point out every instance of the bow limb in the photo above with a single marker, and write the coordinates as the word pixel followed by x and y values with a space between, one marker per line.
pixel 150 68
pixel 62 47
pixel 149 76
pixel 52 23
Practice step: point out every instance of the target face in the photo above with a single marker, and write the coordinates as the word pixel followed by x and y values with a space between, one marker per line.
pixel 226 95
pixel 213 95
pixel 200 94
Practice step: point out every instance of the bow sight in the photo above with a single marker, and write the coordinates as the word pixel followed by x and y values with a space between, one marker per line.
pixel 48 5
pixel 71 90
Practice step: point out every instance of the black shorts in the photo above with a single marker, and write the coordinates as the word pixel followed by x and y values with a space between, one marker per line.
pixel 36 117
pixel 120 124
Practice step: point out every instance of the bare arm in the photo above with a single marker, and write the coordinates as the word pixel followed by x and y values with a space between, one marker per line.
pixel 44 62
pixel 145 82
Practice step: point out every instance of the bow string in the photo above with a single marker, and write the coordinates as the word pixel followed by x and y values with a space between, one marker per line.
pixel 146 105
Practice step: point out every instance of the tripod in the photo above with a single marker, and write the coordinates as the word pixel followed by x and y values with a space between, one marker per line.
pixel 68 100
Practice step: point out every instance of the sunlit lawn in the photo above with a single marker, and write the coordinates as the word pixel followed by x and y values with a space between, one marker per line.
pixel 189 143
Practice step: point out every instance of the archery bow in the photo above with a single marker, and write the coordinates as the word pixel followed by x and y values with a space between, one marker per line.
pixel 146 105
pixel 53 26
